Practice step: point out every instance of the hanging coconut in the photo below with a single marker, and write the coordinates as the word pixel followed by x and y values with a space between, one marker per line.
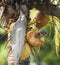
pixel 42 19
pixel 38 17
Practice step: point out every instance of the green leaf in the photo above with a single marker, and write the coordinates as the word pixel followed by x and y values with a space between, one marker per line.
pixel 2 31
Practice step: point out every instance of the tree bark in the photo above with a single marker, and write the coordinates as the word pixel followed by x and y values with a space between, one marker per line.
pixel 53 10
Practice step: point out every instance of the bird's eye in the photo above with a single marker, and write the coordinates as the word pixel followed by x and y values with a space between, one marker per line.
pixel 37 35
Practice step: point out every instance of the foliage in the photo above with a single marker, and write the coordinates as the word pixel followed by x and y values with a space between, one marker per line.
pixel 2 31
pixel 48 53
pixel 3 53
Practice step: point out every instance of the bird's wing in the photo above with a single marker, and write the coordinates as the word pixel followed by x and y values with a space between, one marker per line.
pixel 18 37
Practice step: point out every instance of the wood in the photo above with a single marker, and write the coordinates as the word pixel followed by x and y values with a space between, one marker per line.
pixel 52 10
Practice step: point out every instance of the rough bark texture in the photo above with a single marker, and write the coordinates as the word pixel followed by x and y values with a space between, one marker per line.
pixel 46 7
